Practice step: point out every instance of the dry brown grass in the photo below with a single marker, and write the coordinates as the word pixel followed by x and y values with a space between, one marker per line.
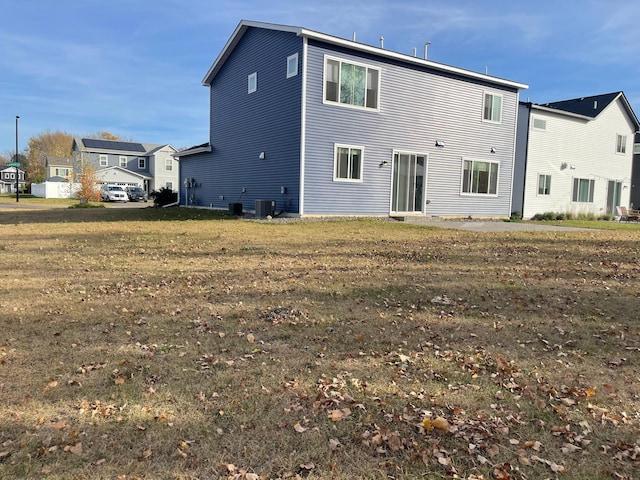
pixel 171 344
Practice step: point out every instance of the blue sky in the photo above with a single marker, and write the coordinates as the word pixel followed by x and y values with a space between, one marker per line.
pixel 135 67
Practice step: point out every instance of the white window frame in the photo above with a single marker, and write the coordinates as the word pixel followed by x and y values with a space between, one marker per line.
pixel 489 193
pixel 252 82
pixel 168 185
pixel 168 165
pixel 541 121
pixel 104 160
pixel 368 68
pixel 621 144
pixel 492 115
pixel 292 65
pixel 122 161
pixel 575 194
pixel 636 148
pixel 336 149
pixel 62 172
pixel 142 163
pixel 546 188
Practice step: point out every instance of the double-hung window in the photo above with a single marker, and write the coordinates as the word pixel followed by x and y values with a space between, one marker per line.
pixel 621 143
pixel 142 163
pixel 480 177
pixel 583 190
pixel 492 108
pixel 104 161
pixel 544 184
pixel 123 162
pixel 168 164
pixel 348 163
pixel 351 84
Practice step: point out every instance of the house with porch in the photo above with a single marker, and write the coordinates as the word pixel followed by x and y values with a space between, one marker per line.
pixel 318 125
pixel 150 166
pixel 8 179
pixel 574 156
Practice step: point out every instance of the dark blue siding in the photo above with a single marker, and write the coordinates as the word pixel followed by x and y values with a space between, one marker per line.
pixel 243 125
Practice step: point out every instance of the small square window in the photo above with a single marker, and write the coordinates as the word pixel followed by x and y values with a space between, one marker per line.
pixel 168 185
pixel 292 65
pixel 539 124
pixel 347 163
pixel 252 82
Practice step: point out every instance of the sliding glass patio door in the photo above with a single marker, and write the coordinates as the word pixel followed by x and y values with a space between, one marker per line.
pixel 409 180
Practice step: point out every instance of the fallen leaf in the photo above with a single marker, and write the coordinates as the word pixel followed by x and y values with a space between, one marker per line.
pixel 120 379
pixel 75 449
pixel 334 444
pixel 251 338
pixel 299 428
pixel 441 424
pixel 147 453
pixel 339 414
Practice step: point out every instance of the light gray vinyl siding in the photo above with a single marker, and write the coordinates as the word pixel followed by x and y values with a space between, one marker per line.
pixel 417 107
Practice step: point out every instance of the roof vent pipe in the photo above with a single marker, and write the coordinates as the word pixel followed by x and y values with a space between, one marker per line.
pixel 426 49
pixel 354 36
pixel 415 52
pixel 381 42
pixel 595 104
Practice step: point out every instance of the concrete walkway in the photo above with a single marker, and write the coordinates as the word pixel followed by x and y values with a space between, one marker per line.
pixel 490 225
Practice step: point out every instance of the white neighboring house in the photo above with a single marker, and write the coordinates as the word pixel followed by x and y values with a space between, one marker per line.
pixel 574 156
pixel 8 179
pixel 146 165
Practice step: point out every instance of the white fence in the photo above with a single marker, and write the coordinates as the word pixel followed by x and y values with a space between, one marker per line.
pixel 55 189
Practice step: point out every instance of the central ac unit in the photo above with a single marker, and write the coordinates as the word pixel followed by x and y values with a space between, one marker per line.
pixel 265 208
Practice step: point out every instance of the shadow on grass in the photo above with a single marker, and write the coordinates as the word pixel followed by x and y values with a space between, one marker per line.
pixel 80 215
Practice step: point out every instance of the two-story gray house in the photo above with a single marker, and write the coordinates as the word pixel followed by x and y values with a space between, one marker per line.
pixel 150 166
pixel 322 125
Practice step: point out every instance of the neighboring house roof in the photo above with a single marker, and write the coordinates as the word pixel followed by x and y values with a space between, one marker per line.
pixel 104 171
pixel 58 162
pixel 591 107
pixel 244 25
pixel 118 147
pixel 203 147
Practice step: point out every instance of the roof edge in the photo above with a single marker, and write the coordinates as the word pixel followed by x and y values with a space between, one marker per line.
pixel 246 24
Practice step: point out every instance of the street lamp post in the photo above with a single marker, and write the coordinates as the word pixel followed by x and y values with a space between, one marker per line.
pixel 17 168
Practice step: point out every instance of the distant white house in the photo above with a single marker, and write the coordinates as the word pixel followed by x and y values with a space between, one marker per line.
pixel 574 156
pixel 8 179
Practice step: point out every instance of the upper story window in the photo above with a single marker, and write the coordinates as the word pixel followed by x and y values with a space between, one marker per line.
pixel 142 163
pixel 168 164
pixel 62 172
pixel 621 144
pixel 539 123
pixel 544 184
pixel 104 160
pixel 492 108
pixel 480 177
pixel 252 82
pixel 292 65
pixel 351 84
pixel 348 163
pixel 123 161
pixel 636 149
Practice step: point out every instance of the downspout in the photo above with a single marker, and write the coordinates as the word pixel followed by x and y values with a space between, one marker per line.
pixel 303 125
pixel 526 156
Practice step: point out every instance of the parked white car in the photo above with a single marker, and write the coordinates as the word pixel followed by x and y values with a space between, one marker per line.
pixel 113 193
